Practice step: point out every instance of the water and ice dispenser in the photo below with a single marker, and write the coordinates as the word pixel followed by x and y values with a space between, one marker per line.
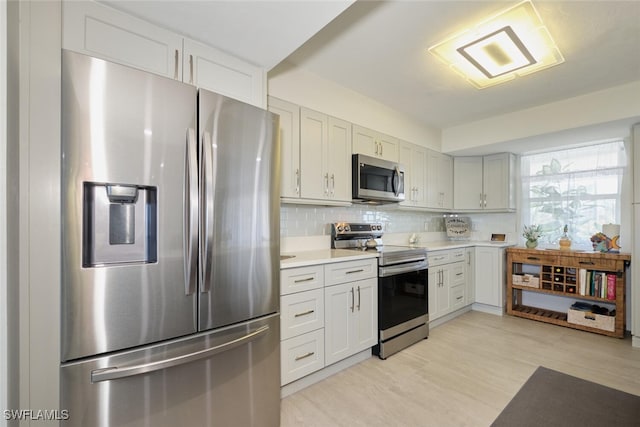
pixel 119 224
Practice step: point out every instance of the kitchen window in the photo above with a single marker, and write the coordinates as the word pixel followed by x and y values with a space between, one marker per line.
pixel 580 187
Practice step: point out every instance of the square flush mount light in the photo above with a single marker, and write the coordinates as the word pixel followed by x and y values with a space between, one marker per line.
pixel 513 43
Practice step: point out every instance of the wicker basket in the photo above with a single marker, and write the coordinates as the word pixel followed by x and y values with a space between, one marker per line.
pixel 593 320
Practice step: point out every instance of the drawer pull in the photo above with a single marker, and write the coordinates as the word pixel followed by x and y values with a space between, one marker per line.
pixel 459 274
pixel 533 258
pixel 439 258
pixel 304 313
pixel 355 271
pixel 586 263
pixel 308 279
pixel 304 356
pixel 459 298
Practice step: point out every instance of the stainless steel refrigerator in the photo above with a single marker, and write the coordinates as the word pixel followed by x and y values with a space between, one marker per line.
pixel 170 275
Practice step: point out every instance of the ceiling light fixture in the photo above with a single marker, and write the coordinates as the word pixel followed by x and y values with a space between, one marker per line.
pixel 513 43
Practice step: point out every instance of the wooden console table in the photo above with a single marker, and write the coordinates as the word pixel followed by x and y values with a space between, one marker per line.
pixel 589 277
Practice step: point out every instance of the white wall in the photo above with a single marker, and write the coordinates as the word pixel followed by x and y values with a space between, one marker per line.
pixel 35 228
pixel 292 84
pixel 3 211
pixel 599 115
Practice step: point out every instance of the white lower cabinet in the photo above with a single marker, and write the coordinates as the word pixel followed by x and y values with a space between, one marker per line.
pixel 490 277
pixel 351 323
pixel 301 355
pixel 447 281
pixel 301 312
pixel 301 322
pixel 327 313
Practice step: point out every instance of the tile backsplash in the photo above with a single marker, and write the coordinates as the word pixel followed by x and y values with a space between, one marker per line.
pixel 306 220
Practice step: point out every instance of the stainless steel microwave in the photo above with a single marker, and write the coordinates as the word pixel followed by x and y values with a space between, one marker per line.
pixel 376 180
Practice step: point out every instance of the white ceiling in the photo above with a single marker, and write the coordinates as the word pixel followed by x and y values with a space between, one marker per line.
pixel 380 48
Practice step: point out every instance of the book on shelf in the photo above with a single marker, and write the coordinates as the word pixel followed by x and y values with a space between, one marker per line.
pixel 582 281
pixel 611 286
pixel 597 284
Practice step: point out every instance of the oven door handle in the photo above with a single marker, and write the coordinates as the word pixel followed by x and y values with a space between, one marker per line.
pixel 409 267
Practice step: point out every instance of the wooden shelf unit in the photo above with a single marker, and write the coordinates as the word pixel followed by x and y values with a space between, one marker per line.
pixel 558 273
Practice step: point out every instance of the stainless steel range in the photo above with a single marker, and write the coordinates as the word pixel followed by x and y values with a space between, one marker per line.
pixel 403 316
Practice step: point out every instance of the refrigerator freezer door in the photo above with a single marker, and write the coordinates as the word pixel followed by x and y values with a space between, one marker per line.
pixel 229 377
pixel 240 213
pixel 129 168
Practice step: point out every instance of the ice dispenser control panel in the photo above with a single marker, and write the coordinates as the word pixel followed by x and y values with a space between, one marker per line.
pixel 119 224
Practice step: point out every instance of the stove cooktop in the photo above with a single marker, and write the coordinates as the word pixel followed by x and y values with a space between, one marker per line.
pixel 357 236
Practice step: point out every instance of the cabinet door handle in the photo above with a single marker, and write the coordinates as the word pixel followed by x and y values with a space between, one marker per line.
pixel 381 146
pixel 304 313
pixel 358 298
pixel 485 200
pixel 352 299
pixel 175 64
pixel 326 184
pixel 480 199
pixel 307 279
pixel 297 181
pixel 191 69
pixel 355 271
pixel 376 142
pixel 304 356
pixel 333 184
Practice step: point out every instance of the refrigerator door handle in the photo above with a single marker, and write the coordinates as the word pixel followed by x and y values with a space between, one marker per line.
pixel 106 374
pixel 207 211
pixel 191 213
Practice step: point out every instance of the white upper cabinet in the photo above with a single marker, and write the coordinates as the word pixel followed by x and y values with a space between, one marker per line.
pixel 325 158
pixel 102 32
pixel 414 160
pixel 467 183
pixel 97 30
pixel 439 180
pixel 289 146
pixel 498 178
pixel 484 183
pixel 375 144
pixel 212 69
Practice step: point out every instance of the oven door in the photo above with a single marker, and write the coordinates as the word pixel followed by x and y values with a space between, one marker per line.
pixel 402 294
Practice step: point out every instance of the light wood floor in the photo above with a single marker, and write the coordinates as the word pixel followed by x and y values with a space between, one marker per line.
pixel 464 374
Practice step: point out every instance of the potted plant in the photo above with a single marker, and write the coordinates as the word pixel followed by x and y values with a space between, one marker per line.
pixel 532 233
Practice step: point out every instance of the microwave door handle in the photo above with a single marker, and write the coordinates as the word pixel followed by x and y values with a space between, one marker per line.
pixel 395 181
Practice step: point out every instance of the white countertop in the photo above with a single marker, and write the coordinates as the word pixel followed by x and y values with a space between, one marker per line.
pixel 326 256
pixel 452 244
pixel 323 256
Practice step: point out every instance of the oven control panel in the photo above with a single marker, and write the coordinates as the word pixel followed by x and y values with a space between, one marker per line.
pixel 355 229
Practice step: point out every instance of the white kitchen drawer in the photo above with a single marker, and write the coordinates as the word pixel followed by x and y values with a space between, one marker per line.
pixel 350 271
pixel 457 273
pixel 301 312
pixel 458 297
pixel 301 355
pixel 458 255
pixel 438 257
pixel 301 279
